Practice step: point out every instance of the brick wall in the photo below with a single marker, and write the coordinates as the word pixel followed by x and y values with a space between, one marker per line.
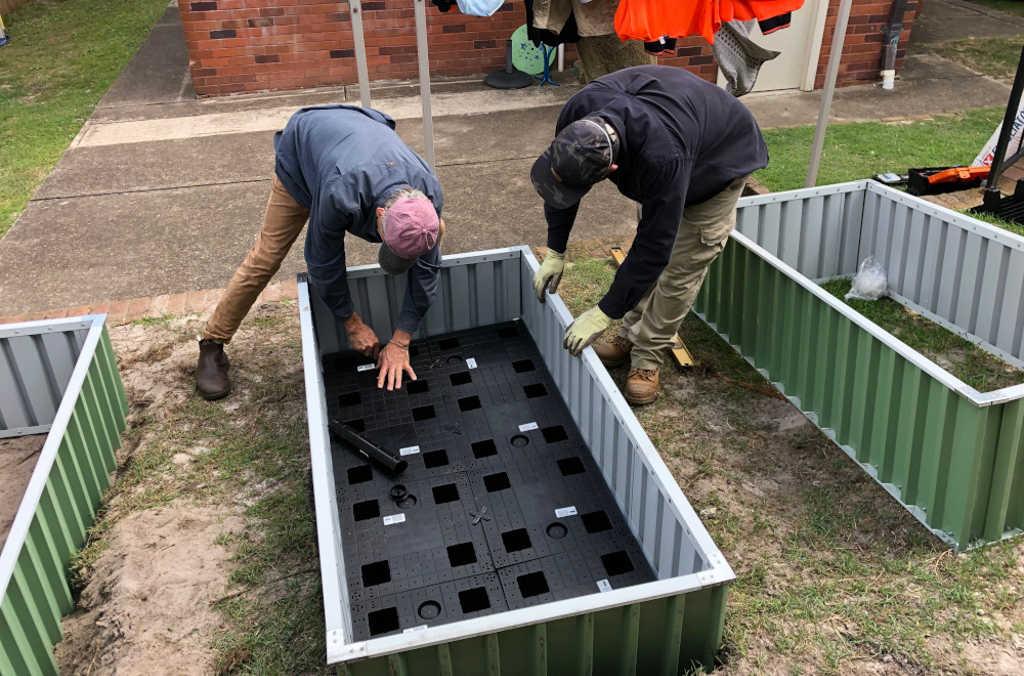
pixel 864 47
pixel 254 45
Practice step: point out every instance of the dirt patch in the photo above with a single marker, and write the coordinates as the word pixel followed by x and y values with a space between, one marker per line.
pixel 18 457
pixel 149 601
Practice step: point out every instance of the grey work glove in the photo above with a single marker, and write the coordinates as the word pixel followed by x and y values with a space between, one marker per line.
pixel 549 274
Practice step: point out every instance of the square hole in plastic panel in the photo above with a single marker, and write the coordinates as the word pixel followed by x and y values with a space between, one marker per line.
pixel 523 365
pixel 496 482
pixel 596 522
pixel 617 563
pixel 516 540
pixel 434 459
pixel 461 554
pixel 367 509
pixel 461 378
pixel 474 599
pixel 469 404
pixel 383 621
pixel 570 466
pixel 535 390
pixel 554 434
pixel 376 573
pixel 484 448
pixel 445 493
pixel 360 474
pixel 532 584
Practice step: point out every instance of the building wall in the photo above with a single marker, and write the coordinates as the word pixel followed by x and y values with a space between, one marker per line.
pixel 254 45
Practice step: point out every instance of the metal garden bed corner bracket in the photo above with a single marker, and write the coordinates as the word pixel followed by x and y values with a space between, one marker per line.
pixel 948 453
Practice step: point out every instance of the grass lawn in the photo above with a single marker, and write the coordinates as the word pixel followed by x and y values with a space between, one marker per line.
pixel 1011 6
pixel 863 149
pixel 995 57
pixel 62 58
pixel 966 361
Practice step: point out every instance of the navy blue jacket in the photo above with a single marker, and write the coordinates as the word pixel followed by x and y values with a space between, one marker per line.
pixel 681 141
pixel 342 162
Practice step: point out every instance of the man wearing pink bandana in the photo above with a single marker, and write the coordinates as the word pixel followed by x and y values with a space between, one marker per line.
pixel 346 171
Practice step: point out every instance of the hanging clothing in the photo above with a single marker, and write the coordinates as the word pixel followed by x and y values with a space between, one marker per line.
pixel 738 56
pixel 661 45
pixel 568 33
pixel 594 18
pixel 648 20
pixel 776 23
pixel 606 54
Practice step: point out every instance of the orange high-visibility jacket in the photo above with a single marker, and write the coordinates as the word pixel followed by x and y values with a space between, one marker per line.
pixel 649 20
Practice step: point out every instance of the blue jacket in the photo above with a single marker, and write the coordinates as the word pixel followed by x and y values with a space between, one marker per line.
pixel 342 162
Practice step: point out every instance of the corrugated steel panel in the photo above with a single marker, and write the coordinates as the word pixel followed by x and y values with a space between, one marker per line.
pixel 658 628
pixel 951 455
pixel 64 491
pixel 35 365
pixel 961 273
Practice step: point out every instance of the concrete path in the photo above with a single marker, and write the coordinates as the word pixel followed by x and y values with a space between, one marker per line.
pixel 162 193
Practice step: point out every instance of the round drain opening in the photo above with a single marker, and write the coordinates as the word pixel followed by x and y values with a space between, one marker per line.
pixel 455 359
pixel 520 440
pixel 429 610
pixel 557 530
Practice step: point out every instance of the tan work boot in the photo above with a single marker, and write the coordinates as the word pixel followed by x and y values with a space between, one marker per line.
pixel 613 350
pixel 642 386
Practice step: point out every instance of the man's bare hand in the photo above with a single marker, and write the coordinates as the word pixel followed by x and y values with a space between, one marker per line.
pixel 361 337
pixel 394 361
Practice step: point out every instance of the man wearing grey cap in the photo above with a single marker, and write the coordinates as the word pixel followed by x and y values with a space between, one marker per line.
pixel 683 149
pixel 345 170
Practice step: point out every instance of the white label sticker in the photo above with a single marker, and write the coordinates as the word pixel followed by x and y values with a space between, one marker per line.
pixel 409 450
pixel 604 585
pixel 393 519
pixel 526 427
pixel 566 511
pixel 416 628
pixel 471 363
pixel 365 367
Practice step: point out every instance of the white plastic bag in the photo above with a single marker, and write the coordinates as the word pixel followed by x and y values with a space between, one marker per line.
pixel 870 281
pixel 479 7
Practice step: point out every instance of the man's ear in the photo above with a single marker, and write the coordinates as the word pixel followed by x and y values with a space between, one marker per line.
pixel 614 167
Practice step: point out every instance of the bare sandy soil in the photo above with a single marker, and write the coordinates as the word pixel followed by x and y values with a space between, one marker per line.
pixel 17 460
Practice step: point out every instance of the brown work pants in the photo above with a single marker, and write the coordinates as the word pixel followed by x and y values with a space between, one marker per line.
pixel 651 326
pixel 282 223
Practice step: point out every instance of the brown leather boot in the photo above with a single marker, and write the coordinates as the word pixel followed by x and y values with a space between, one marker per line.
pixel 212 379
pixel 613 350
pixel 642 386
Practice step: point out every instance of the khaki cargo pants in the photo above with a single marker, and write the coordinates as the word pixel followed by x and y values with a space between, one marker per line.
pixel 282 223
pixel 651 326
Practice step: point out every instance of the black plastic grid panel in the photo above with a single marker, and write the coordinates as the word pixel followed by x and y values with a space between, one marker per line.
pixel 499 487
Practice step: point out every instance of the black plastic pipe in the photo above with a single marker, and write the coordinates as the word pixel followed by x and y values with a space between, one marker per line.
pixel 366 448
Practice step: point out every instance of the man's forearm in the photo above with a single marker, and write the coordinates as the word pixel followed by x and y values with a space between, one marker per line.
pixel 560 222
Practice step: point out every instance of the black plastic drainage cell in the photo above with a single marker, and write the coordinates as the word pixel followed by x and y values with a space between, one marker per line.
pixel 502 506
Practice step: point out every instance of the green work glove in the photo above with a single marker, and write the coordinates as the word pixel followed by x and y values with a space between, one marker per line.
pixel 549 275
pixel 585 330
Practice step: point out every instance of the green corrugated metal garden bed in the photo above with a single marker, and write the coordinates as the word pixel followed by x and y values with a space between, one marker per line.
pixel 59 378
pixel 950 454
